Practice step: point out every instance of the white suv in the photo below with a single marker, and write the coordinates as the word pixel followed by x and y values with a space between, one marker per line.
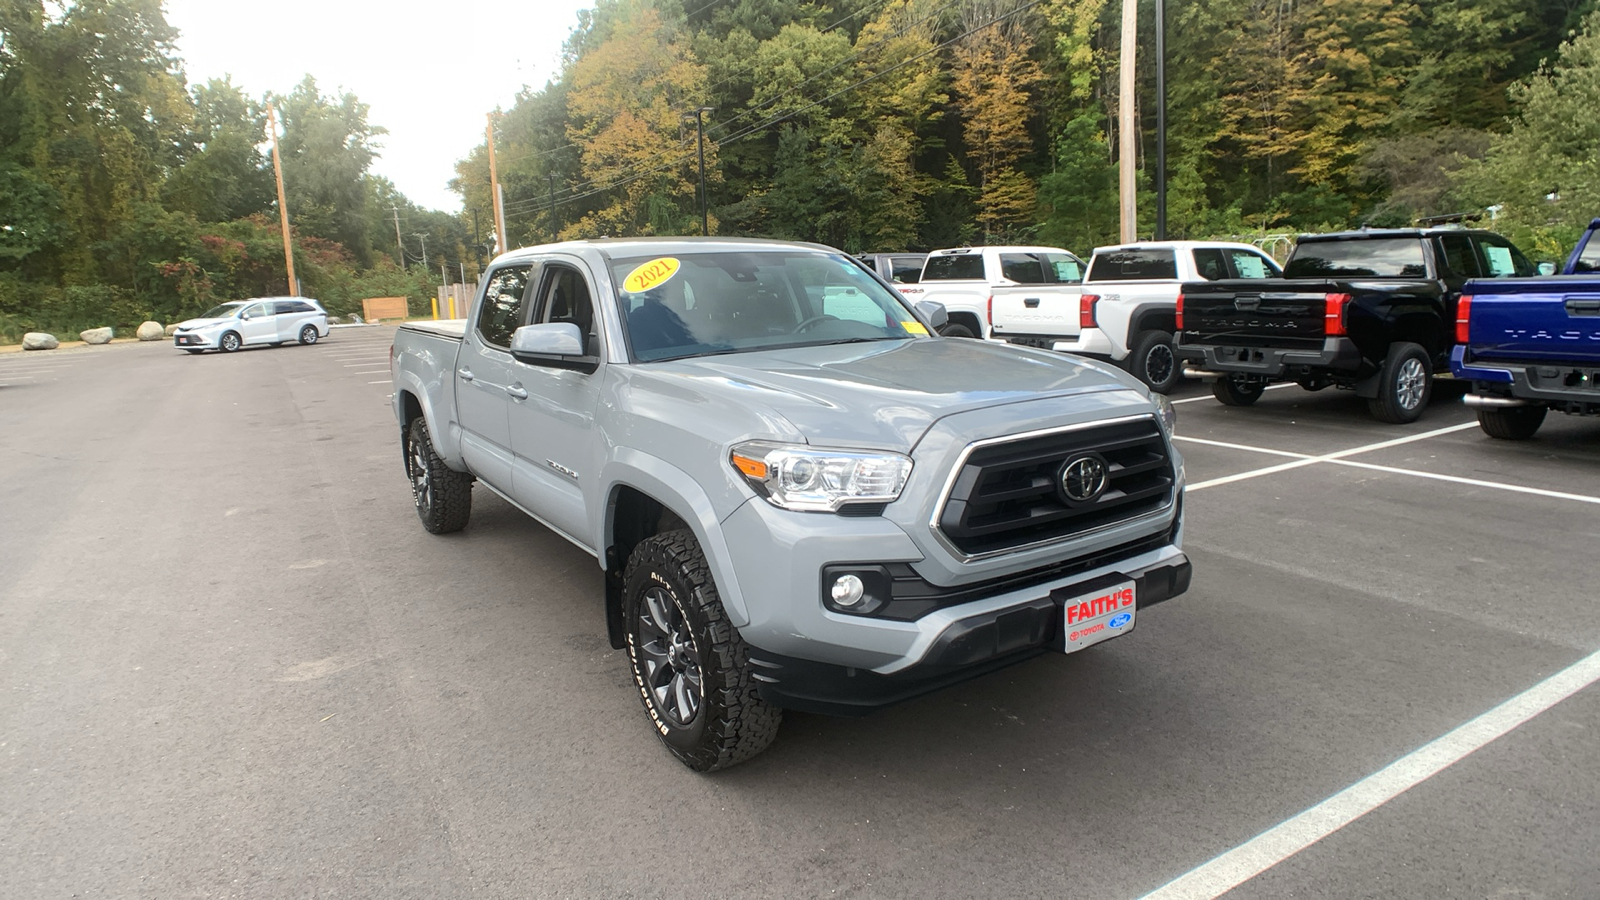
pixel 264 320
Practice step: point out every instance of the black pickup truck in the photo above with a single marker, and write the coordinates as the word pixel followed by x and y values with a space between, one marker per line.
pixel 1371 311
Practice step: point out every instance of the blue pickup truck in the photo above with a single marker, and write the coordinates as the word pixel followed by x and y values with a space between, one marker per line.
pixel 1530 345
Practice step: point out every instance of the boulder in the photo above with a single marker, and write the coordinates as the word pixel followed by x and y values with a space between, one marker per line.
pixel 356 319
pixel 150 331
pixel 170 330
pixel 38 340
pixel 96 336
pixel 335 320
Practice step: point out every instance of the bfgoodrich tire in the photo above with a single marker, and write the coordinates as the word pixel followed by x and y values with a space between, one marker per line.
pixel 1517 423
pixel 442 495
pixel 1237 390
pixel 691 667
pixel 1404 385
pixel 1153 361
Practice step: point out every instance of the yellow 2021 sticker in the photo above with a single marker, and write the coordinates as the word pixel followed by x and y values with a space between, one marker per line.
pixel 652 274
pixel 914 327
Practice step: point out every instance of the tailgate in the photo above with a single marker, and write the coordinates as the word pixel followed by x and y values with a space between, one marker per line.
pixel 1545 319
pixel 1048 311
pixel 1255 312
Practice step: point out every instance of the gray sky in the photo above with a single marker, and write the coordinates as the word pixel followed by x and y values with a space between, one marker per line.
pixel 430 71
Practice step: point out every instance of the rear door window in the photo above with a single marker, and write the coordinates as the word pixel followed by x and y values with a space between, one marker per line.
pixel 954 267
pixel 905 269
pixel 1134 264
pixel 1023 268
pixel 1458 255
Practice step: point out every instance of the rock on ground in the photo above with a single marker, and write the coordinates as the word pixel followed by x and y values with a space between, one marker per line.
pixel 170 330
pixel 38 340
pixel 96 336
pixel 150 331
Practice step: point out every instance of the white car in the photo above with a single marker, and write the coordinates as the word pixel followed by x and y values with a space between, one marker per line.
pixel 263 320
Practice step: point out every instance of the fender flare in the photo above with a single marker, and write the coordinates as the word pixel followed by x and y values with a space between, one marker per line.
pixel 446 442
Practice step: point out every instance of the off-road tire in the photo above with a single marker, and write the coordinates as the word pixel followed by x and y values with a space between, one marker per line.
pixel 1404 384
pixel 1234 390
pixel 732 723
pixel 230 342
pixel 1154 362
pixel 442 495
pixel 308 335
pixel 1516 423
pixel 956 330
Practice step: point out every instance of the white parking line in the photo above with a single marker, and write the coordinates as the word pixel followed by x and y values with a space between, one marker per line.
pixel 385 381
pixel 1313 460
pixel 370 361
pixel 1276 844
pixel 1227 446
pixel 1456 479
pixel 1270 387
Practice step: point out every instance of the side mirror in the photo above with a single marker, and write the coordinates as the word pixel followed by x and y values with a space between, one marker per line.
pixel 1547 268
pixel 558 344
pixel 934 312
pixel 246 316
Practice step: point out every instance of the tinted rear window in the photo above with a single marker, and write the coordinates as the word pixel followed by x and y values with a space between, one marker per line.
pixel 951 268
pixel 1589 259
pixel 1133 265
pixel 906 269
pixel 1358 258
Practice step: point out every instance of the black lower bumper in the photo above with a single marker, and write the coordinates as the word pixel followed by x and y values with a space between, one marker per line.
pixel 967 649
pixel 1337 354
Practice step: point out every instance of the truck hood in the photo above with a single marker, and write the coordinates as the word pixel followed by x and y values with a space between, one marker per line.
pixel 886 394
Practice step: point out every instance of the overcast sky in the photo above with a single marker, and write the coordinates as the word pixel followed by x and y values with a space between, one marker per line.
pixel 430 71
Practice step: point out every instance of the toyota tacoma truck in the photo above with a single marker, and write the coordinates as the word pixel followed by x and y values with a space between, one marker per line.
pixel 800 496
pixel 1371 311
pixel 966 281
pixel 1530 345
pixel 1126 310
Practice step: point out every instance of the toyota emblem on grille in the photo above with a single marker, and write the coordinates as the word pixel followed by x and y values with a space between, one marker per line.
pixel 1083 479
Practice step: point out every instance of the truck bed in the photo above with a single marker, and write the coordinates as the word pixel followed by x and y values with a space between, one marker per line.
pixel 450 328
pixel 1553 320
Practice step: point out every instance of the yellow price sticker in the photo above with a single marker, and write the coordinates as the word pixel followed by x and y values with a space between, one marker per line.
pixel 652 274
pixel 914 327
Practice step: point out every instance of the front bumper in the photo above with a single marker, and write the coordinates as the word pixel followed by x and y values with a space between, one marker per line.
pixel 965 646
pixel 1338 354
pixel 194 341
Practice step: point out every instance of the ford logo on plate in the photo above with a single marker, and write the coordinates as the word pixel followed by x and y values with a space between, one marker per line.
pixel 1119 620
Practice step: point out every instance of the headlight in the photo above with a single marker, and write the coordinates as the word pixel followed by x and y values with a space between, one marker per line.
pixel 1165 411
pixel 811 480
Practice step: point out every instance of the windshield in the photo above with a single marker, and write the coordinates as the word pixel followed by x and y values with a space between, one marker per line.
pixel 698 304
pixel 223 311
pixel 1358 258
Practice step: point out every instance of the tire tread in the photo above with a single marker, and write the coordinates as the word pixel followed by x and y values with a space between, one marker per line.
pixel 452 490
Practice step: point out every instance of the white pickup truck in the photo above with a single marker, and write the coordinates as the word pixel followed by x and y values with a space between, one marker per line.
pixel 967 280
pixel 1125 308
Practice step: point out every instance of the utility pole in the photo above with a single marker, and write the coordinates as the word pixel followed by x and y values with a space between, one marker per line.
pixel 1129 138
pixel 477 242
pixel 700 137
pixel 552 178
pixel 495 196
pixel 424 239
pixel 398 241
pixel 283 205
pixel 1161 120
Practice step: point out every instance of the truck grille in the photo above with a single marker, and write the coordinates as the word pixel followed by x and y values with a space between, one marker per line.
pixel 1010 495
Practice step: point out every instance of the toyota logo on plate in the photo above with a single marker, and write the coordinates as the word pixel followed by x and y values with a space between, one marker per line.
pixel 1083 479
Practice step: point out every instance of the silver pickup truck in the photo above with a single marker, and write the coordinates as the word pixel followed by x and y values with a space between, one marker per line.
pixel 801 496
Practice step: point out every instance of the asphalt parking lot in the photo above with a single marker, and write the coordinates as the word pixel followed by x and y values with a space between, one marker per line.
pixel 232 664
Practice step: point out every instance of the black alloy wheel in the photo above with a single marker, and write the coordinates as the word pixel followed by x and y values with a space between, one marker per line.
pixel 1237 390
pixel 442 495
pixel 1155 363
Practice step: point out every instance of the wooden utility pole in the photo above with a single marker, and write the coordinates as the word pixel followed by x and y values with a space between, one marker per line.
pixel 494 195
pixel 1128 125
pixel 283 206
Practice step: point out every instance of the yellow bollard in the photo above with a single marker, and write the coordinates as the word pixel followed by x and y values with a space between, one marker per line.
pixel 436 309
pixel 452 307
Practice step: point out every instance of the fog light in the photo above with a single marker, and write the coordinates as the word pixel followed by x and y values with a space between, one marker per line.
pixel 848 590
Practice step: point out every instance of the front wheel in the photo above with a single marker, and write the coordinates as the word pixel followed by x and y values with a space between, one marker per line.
pixel 308 334
pixel 692 669
pixel 442 495
pixel 1404 384
pixel 1237 390
pixel 957 330
pixel 1154 362
pixel 1516 423
pixel 230 342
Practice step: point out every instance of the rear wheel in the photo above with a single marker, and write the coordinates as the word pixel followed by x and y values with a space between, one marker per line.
pixel 1516 423
pixel 308 334
pixel 692 669
pixel 1237 390
pixel 442 495
pixel 230 342
pixel 1404 385
pixel 1154 362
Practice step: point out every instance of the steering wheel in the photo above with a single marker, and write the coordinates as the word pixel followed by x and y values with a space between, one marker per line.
pixel 814 320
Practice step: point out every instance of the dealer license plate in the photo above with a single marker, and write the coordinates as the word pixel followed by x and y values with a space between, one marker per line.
pixel 1088 619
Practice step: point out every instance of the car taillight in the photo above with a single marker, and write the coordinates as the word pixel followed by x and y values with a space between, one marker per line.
pixel 1180 311
pixel 1086 305
pixel 1463 318
pixel 990 314
pixel 1333 314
